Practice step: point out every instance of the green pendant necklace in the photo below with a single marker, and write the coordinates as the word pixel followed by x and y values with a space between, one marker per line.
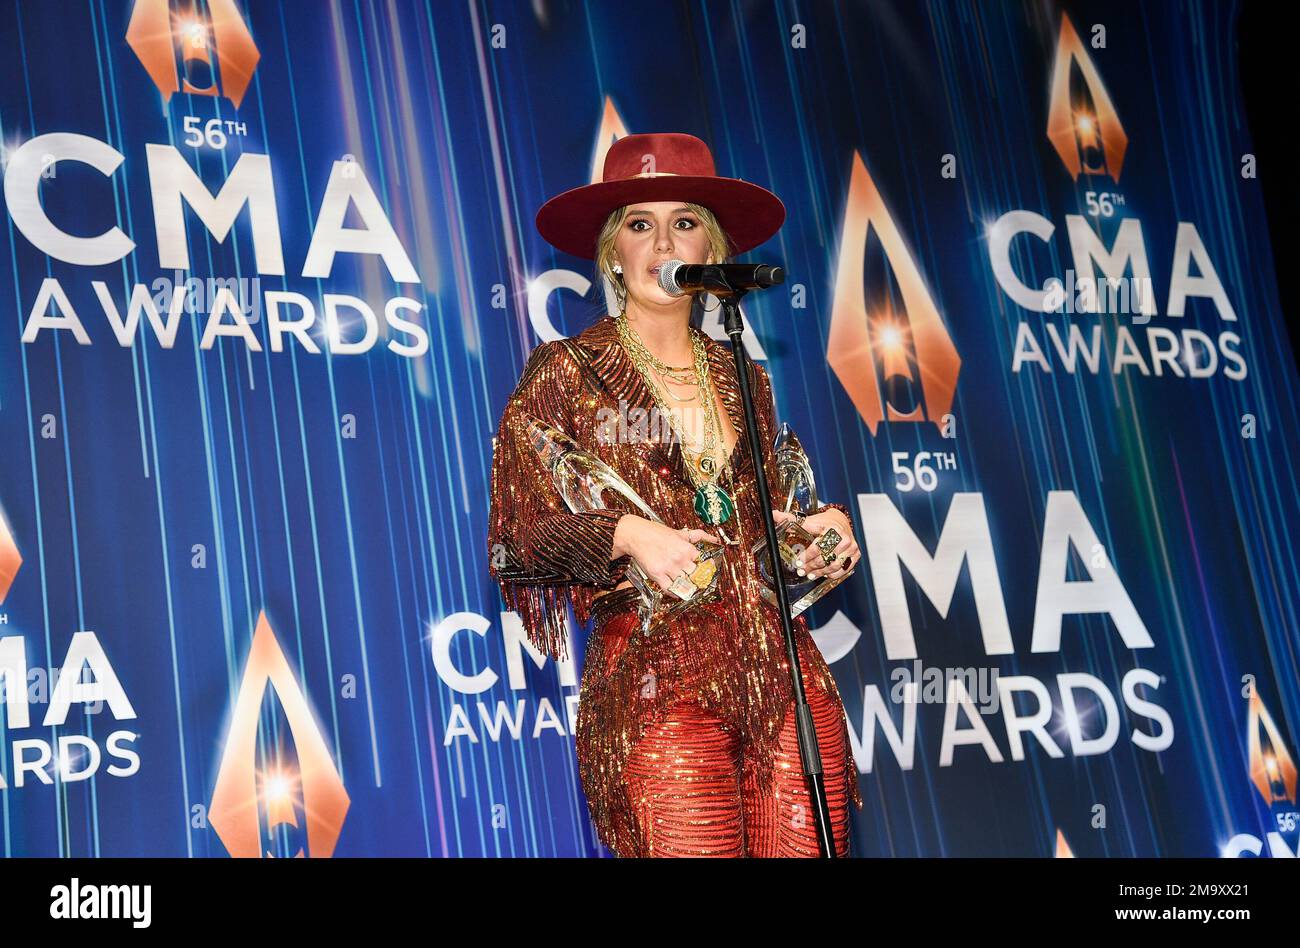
pixel 713 504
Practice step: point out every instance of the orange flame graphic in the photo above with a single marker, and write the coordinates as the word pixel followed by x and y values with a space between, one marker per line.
pixel 1066 128
pixel 10 558
pixel 859 340
pixel 236 801
pixel 154 35
pixel 1271 768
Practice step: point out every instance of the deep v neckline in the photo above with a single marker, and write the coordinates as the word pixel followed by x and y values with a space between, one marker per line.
pixel 721 371
pixel 719 398
pixel 615 373
pixel 720 405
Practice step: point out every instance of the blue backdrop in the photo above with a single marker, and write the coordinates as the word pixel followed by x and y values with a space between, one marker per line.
pixel 280 554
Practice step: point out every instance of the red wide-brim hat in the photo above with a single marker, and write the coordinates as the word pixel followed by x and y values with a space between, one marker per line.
pixel 661 166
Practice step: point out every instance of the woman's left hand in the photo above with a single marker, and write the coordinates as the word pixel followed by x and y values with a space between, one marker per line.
pixel 846 551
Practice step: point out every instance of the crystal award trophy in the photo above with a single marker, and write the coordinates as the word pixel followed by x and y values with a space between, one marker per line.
pixel 798 489
pixel 588 483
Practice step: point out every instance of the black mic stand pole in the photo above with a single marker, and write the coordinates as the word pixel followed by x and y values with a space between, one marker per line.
pixel 809 754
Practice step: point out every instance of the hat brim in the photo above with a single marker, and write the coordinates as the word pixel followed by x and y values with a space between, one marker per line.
pixel 571 221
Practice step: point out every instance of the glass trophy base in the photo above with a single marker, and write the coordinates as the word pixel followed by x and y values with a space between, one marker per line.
pixel 801 592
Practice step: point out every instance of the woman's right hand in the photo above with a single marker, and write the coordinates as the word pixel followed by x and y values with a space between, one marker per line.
pixel 664 553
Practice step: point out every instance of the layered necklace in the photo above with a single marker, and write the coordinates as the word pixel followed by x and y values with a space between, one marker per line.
pixel 713 505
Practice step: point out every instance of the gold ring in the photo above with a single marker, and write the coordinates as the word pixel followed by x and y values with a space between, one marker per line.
pixel 827 543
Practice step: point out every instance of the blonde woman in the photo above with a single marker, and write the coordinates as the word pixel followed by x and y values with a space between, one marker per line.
pixel 685 737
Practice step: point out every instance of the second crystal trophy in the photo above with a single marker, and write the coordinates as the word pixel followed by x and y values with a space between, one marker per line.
pixel 798 490
pixel 588 483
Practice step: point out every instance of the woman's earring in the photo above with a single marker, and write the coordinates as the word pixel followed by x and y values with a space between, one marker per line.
pixel 618 268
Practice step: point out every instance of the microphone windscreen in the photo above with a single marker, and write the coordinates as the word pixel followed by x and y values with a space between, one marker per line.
pixel 667 277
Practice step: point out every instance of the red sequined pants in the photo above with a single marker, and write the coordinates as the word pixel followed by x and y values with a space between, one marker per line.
pixel 696 795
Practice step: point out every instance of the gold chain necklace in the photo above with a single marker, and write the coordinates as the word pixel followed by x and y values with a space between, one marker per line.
pixel 642 358
pixel 676 380
pixel 661 366
pixel 712 504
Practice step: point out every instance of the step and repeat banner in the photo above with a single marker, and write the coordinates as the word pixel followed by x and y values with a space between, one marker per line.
pixel 270 273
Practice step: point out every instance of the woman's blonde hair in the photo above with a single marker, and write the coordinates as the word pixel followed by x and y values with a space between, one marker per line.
pixel 719 244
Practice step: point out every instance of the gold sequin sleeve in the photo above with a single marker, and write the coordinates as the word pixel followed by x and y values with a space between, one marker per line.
pixel 543 556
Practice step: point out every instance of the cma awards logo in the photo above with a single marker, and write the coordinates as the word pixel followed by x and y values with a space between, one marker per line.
pixel 289 799
pixel 490 706
pixel 340 322
pixel 1273 773
pixel 72 757
pixel 1110 272
pixel 176 48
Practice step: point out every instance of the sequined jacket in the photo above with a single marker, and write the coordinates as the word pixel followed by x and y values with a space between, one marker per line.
pixel 728 655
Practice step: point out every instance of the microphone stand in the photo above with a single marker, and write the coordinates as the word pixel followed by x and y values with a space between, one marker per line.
pixel 809 753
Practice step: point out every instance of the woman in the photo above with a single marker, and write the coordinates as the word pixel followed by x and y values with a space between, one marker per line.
pixel 686 736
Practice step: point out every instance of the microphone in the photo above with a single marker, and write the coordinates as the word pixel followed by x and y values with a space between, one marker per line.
pixel 678 278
